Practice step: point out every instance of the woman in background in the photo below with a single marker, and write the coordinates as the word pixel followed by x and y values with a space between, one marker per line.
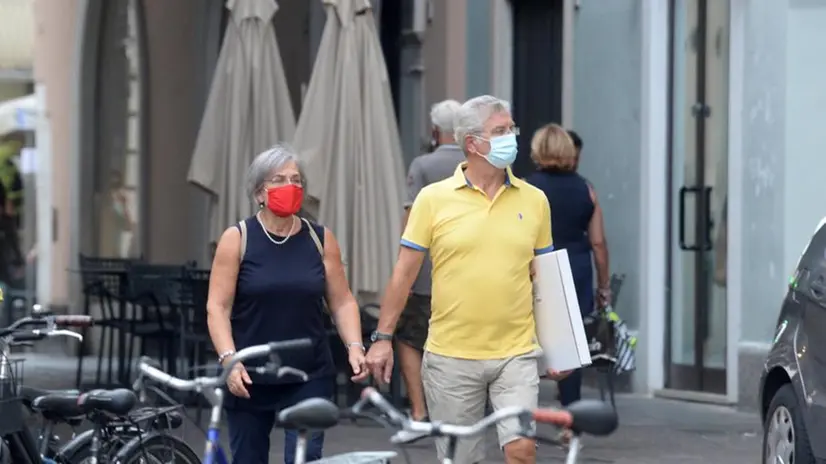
pixel 577 226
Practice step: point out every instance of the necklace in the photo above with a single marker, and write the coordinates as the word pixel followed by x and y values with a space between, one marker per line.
pixel 289 234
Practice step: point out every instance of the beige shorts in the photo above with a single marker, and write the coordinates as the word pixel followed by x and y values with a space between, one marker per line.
pixel 457 390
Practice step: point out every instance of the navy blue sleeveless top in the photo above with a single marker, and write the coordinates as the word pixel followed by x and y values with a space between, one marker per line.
pixel 278 296
pixel 571 208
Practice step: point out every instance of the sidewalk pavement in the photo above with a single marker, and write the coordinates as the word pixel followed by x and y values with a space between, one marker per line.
pixel 652 431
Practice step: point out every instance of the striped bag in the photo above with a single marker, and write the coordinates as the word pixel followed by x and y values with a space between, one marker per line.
pixel 625 344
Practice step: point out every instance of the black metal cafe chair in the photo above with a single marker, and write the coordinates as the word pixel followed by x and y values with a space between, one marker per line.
pixel 104 283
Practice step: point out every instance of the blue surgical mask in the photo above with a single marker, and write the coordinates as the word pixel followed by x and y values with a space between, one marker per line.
pixel 502 151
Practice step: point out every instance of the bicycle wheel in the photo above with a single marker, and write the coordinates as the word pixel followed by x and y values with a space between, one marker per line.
pixel 156 448
pixel 79 449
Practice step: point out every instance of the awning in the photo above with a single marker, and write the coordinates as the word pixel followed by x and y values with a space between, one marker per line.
pixel 17 35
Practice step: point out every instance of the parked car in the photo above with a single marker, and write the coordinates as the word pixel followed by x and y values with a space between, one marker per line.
pixel 793 384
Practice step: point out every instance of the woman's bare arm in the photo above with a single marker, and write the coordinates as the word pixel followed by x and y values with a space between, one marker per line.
pixel 340 300
pixel 222 281
pixel 596 233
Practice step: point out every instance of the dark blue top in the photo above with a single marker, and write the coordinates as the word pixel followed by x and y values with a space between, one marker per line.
pixel 571 208
pixel 278 297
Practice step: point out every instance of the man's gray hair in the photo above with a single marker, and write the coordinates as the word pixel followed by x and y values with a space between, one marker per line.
pixel 471 116
pixel 443 113
pixel 262 167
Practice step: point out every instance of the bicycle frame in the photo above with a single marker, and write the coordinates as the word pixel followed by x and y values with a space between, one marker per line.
pixel 213 453
pixel 573 450
pixel 22 443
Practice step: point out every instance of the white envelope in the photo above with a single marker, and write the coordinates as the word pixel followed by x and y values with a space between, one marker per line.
pixel 559 327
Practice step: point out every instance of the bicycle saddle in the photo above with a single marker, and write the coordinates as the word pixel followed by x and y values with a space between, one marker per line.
pixel 593 417
pixel 29 394
pixel 118 402
pixel 58 406
pixel 311 414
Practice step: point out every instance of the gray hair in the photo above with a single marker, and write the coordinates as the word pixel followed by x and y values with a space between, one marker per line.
pixel 471 116
pixel 265 163
pixel 443 113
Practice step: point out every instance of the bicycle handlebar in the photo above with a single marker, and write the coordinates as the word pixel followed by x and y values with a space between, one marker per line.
pixel 73 320
pixel 372 396
pixel 586 416
pixel 40 334
pixel 148 369
pixel 50 322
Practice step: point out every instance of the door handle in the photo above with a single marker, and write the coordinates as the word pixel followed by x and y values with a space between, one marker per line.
pixel 708 245
pixel 684 191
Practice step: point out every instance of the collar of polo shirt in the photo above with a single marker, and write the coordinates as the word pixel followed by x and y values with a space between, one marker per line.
pixel 459 179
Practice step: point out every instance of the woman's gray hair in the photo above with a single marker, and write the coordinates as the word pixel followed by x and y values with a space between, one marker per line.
pixel 443 113
pixel 263 166
pixel 471 116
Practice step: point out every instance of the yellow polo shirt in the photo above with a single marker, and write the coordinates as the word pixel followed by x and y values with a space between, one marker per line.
pixel 481 249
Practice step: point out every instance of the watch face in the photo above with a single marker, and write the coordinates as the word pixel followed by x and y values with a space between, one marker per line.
pixel 376 336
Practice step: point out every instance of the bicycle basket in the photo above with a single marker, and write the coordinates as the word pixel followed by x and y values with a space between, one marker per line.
pixel 361 457
pixel 11 405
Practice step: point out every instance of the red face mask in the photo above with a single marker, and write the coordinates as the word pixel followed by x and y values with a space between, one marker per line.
pixel 285 200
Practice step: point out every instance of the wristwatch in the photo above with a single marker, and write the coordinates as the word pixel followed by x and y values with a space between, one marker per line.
pixel 378 336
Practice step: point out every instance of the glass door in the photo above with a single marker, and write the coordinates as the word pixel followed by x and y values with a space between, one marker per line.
pixel 696 330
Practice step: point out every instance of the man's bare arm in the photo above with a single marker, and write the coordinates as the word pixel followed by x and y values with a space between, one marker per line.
pixel 395 295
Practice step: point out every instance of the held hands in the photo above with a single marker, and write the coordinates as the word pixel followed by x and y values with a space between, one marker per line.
pixel 238 380
pixel 380 360
pixel 357 363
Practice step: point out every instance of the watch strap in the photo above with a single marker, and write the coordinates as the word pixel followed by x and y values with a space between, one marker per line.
pixel 381 336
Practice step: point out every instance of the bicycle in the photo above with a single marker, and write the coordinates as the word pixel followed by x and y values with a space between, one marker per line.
pixel 111 411
pixel 312 413
pixel 587 416
pixel 18 443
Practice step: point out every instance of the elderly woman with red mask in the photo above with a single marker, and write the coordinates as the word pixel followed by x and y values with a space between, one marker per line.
pixel 269 278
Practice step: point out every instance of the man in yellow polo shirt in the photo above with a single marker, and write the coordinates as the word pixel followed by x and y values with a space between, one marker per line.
pixel 483 226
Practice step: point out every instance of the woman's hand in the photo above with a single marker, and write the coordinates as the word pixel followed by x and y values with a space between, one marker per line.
pixel 357 363
pixel 238 380
pixel 603 298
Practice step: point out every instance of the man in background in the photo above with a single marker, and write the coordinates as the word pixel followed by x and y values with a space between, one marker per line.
pixel 577 145
pixel 412 329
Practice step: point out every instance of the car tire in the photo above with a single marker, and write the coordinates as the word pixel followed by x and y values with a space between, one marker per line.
pixel 785 423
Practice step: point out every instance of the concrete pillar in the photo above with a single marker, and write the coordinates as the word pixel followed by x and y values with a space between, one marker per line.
pixel 55 38
pixel 443 53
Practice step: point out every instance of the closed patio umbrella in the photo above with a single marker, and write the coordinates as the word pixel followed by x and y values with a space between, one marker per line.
pixel 349 139
pixel 248 111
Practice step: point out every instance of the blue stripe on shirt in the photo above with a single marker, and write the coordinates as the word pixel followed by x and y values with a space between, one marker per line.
pixel 542 251
pixel 411 245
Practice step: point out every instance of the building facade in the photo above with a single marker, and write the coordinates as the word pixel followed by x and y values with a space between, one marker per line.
pixel 698 120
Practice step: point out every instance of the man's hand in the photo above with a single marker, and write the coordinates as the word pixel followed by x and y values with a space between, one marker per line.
pixel 557 375
pixel 380 360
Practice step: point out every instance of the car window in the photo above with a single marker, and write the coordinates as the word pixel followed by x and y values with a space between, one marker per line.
pixel 814 254
pixel 810 276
